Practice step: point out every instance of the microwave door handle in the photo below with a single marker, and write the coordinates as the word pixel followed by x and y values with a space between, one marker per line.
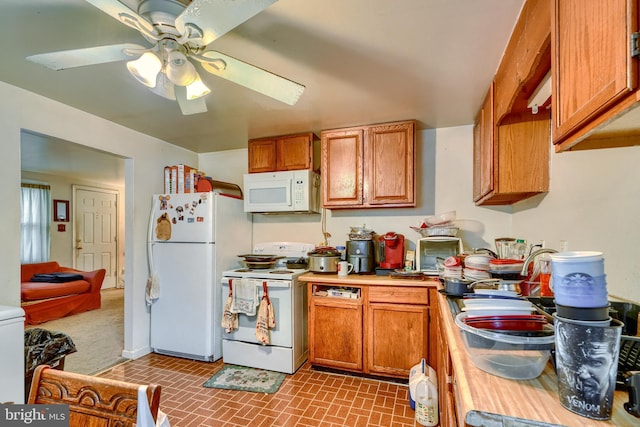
pixel 289 193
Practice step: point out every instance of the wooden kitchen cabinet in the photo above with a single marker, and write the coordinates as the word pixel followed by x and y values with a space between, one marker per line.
pixel 369 166
pixel 526 60
pixel 282 153
pixel 511 161
pixel 396 330
pixel 483 149
pixel 595 74
pixel 383 333
pixel 511 144
pixel 335 331
pixel 446 377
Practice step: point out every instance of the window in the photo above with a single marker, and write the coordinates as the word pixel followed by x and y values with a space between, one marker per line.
pixel 34 223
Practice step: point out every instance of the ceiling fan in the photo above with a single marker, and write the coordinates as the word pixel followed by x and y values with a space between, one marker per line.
pixel 179 32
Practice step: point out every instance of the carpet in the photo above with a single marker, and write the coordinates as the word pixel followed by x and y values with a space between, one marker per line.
pixel 97 334
pixel 232 377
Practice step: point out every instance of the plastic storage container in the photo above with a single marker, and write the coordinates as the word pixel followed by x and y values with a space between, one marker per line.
pixel 508 356
pixel 416 374
pixel 426 402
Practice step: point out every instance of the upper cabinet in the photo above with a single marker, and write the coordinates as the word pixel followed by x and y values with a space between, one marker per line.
pixel 511 142
pixel 282 153
pixel 483 149
pixel 595 74
pixel 369 166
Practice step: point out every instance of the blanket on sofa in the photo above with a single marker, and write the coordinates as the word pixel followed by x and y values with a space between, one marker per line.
pixel 58 277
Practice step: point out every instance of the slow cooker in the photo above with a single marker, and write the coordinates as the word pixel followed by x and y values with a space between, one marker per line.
pixel 324 260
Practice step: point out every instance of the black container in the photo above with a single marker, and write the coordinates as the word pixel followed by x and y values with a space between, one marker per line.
pixel 581 313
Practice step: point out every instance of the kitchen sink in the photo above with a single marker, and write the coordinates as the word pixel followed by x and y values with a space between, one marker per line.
pixel 626 312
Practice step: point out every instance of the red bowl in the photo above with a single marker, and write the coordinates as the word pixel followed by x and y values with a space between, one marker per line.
pixel 532 322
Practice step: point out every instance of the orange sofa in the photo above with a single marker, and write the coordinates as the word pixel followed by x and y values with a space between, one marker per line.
pixel 44 301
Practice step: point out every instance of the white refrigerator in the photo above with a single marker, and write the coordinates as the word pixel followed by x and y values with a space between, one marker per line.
pixel 193 238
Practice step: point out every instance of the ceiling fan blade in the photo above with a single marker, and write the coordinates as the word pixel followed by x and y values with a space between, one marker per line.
pixel 188 107
pixel 252 77
pixel 125 15
pixel 87 56
pixel 216 17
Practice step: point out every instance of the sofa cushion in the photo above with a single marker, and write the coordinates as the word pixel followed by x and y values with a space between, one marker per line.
pixel 32 291
pixel 28 270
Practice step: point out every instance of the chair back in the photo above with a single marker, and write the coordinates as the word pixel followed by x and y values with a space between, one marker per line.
pixel 92 400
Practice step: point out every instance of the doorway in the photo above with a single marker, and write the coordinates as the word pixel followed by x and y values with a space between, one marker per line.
pixel 69 167
pixel 95 232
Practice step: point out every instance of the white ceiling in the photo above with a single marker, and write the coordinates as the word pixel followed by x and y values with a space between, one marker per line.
pixel 362 62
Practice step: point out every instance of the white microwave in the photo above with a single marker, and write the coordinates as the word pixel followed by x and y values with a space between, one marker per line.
pixel 296 191
pixel 430 248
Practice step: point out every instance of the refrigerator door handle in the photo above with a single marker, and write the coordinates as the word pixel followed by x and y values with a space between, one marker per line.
pixel 152 290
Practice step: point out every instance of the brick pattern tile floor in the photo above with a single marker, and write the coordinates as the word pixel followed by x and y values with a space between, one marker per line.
pixel 305 399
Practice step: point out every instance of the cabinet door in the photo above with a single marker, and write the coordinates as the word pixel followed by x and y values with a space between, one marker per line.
pixel 444 368
pixel 483 144
pixel 293 152
pixel 335 333
pixel 342 170
pixel 397 338
pixel 390 165
pixel 592 67
pixel 262 155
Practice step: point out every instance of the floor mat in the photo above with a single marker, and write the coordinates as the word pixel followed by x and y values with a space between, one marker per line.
pixel 233 377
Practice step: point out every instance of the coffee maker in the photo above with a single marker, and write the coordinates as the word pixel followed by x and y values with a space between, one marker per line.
pixel 361 253
pixel 391 250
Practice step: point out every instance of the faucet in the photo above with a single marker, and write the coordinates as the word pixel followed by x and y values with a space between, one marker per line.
pixel 531 257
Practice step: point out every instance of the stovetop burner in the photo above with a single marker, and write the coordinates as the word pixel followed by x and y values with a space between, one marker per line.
pixel 243 270
pixel 280 272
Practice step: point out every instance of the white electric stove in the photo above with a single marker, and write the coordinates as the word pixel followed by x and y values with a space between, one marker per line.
pixel 288 348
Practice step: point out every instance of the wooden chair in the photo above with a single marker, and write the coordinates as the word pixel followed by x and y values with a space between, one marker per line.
pixel 92 400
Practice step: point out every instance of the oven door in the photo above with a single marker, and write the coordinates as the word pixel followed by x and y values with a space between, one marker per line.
pixel 280 294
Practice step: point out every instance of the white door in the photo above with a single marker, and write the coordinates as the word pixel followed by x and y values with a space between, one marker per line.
pixel 96 232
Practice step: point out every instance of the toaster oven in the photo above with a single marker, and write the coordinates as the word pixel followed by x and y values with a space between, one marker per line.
pixel 430 248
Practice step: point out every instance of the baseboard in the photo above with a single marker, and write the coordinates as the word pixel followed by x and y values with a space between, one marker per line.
pixel 127 354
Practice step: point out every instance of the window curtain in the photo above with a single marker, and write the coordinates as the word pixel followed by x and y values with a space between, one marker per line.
pixel 34 224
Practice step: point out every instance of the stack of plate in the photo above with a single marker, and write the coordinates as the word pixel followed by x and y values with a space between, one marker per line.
pixel 476 266
pixel 492 306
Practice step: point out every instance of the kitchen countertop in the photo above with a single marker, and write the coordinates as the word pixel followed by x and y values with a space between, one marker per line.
pixel 481 393
pixel 367 279
pixel 487 399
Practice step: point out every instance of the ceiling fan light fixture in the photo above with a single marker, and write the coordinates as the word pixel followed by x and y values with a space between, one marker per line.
pixel 197 89
pixel 179 70
pixel 145 69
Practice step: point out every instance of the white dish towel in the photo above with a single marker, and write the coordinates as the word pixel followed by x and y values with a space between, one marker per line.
pixel 245 296
pixel 144 417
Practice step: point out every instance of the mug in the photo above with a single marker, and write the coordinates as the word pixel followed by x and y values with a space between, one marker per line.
pixel 344 268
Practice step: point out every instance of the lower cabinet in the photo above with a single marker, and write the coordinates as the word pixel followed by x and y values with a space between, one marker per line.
pixel 384 331
pixel 396 338
pixel 335 332
pixel 446 380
